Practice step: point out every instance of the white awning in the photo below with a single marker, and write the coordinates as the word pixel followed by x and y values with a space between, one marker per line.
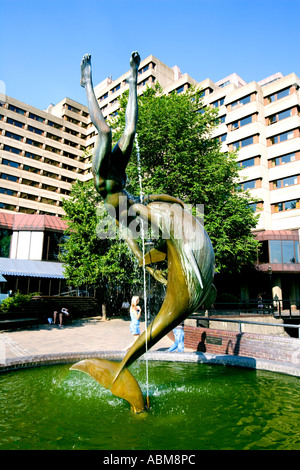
pixel 31 268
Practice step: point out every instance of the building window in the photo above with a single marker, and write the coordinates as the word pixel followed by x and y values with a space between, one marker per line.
pixel 224 84
pixel 276 139
pixel 69 131
pixel 71 108
pixel 14 136
pixel 13 122
pixel 53 124
pixel 33 156
pixel 256 206
pixel 10 163
pixel 241 102
pixel 30 197
pixel 49 188
pixel 240 123
pixel 26 210
pixel 74 121
pixel 34 143
pixel 144 69
pixel 222 138
pixel 284 251
pixel 243 142
pixel 7 177
pixel 16 110
pixel 180 89
pixel 277 96
pixel 35 130
pixel 282 183
pixel 150 79
pixel 116 88
pixel 36 118
pixel 221 119
pixel 69 142
pixel 48 174
pixel 279 116
pixel 8 207
pixel 53 137
pixel 35 184
pixel 252 184
pixel 52 149
pixel 31 169
pixel 7 148
pixel 218 103
pixel 103 97
pixel 51 162
pixel 248 162
pixel 286 205
pixel 52 245
pixel 283 159
pixel 8 192
pixel 45 200
pixel 69 155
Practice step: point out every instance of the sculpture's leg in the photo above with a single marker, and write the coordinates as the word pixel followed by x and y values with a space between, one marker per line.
pixel 102 150
pixel 126 141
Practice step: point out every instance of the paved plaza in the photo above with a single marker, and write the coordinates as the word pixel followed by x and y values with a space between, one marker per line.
pixel 79 336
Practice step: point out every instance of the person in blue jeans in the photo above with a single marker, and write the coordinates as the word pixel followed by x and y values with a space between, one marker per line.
pixel 179 339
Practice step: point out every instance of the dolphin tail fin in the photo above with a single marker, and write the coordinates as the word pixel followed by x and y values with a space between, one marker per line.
pixel 120 383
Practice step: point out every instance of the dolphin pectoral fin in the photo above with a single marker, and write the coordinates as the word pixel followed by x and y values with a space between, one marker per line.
pixel 153 256
pixel 123 386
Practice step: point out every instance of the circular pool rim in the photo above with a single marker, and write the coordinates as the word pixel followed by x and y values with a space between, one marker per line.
pixel 17 363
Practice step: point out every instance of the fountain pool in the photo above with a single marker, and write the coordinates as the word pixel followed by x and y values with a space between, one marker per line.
pixel 193 407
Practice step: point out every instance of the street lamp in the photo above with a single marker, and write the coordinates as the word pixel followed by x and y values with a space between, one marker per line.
pixel 270 277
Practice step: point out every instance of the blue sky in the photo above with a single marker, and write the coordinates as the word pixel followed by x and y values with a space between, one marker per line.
pixel 42 42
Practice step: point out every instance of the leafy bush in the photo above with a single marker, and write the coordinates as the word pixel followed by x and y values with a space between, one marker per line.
pixel 15 303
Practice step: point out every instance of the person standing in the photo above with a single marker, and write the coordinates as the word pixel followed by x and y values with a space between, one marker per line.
pixel 135 315
pixel 179 338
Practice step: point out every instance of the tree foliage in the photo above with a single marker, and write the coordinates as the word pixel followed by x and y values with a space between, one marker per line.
pixel 180 157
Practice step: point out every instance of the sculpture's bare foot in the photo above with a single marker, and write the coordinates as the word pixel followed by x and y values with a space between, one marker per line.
pixel 86 70
pixel 135 60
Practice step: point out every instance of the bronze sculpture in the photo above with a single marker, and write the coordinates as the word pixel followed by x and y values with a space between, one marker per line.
pixel 185 243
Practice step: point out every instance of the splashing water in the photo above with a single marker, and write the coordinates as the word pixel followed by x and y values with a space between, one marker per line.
pixel 143 251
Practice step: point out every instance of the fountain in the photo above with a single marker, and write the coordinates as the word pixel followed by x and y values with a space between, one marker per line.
pixel 53 408
pixel 185 245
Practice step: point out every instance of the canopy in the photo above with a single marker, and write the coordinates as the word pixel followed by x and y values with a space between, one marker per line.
pixel 31 268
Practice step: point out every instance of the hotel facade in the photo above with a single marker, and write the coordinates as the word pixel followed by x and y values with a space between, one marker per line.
pixel 43 152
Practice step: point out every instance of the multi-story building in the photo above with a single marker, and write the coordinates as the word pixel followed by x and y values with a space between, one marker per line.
pixel 43 152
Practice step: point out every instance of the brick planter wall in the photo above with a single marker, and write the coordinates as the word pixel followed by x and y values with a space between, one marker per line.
pixel 257 346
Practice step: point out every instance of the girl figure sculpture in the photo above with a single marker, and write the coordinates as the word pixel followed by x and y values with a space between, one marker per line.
pixel 190 256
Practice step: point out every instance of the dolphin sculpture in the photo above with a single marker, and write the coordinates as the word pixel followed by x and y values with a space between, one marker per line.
pixel 185 245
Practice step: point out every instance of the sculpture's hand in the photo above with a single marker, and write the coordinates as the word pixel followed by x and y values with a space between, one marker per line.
pixel 157 274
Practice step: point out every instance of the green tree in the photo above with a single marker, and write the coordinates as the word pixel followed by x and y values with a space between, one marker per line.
pixel 180 157
pixel 89 256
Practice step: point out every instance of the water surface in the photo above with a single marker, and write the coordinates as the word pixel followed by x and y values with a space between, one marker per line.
pixel 193 407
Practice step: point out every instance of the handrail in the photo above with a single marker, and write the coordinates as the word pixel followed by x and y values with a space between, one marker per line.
pixel 284 325
pixel 277 307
